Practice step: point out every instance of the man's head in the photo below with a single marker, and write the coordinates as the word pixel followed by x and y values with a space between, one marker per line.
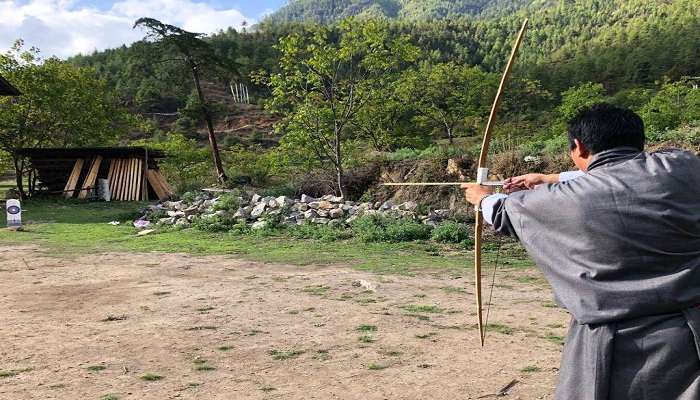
pixel 603 127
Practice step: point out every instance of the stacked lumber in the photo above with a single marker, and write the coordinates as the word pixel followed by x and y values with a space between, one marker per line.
pixel 91 178
pixel 69 189
pixel 159 184
pixel 125 178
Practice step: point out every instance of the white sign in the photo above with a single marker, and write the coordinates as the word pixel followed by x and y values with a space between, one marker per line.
pixel 14 213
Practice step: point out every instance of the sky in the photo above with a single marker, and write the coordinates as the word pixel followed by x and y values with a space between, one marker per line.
pixel 64 28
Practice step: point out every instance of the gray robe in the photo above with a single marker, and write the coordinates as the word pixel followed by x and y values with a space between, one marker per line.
pixel 621 248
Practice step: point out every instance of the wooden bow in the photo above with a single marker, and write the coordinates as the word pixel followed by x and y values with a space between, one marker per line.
pixel 482 177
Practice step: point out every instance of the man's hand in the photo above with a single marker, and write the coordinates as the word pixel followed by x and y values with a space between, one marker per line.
pixel 474 192
pixel 528 181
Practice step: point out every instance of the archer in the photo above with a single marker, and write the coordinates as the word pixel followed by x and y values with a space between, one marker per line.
pixel 620 246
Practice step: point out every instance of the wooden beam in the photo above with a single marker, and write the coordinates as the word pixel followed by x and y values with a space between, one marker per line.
pixel 69 190
pixel 156 185
pixel 91 177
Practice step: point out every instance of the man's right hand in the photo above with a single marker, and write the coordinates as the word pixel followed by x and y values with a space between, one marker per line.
pixel 528 181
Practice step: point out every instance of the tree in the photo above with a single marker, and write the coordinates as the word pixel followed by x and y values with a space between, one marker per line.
pixel 197 55
pixel 676 103
pixel 324 81
pixel 61 105
pixel 449 96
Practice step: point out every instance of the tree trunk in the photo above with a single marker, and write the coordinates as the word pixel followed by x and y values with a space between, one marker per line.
pixel 19 168
pixel 448 130
pixel 221 174
pixel 339 163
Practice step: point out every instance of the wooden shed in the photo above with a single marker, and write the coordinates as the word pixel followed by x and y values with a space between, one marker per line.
pixel 132 172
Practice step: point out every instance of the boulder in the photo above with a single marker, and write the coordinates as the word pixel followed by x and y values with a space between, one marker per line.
pixel 166 221
pixel 409 206
pixel 320 221
pixel 176 214
pixel 258 210
pixel 243 212
pixel 260 224
pixel 310 214
pixel 336 213
pixel 284 201
pixel 307 199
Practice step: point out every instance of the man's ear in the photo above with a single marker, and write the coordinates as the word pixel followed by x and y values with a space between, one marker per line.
pixel 581 149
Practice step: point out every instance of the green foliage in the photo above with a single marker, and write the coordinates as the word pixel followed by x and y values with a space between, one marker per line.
pixel 452 232
pixel 374 228
pixel 187 167
pixel 228 202
pixel 215 223
pixel 578 98
pixel 676 103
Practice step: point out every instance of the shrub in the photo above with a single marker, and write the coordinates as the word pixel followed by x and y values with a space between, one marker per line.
pixel 374 228
pixel 214 224
pixel 322 233
pixel 452 232
pixel 227 202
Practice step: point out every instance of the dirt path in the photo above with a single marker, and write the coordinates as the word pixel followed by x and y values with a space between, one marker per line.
pixel 220 328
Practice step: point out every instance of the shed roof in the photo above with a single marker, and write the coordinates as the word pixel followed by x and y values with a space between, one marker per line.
pixel 86 152
pixel 6 89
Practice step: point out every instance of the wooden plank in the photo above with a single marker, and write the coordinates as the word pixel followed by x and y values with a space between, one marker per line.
pixel 91 177
pixel 156 185
pixel 110 178
pixel 69 189
pixel 144 178
pixel 132 188
pixel 125 180
pixel 164 183
pixel 119 179
pixel 137 180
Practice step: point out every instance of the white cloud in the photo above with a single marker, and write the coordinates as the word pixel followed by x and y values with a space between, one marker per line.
pixel 61 28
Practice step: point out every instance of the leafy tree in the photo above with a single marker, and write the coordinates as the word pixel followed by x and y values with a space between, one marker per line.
pixel 197 55
pixel 676 103
pixel 61 105
pixel 449 96
pixel 578 98
pixel 325 80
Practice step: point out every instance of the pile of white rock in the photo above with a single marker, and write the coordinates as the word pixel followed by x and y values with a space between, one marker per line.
pixel 259 211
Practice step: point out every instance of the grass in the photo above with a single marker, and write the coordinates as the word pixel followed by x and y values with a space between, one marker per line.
pixel 96 368
pixel 376 367
pixel 416 309
pixel 530 369
pixel 281 355
pixel 366 339
pixel 69 228
pixel 556 339
pixel 366 328
pixel 151 377
pixel 13 372
pixel 109 397
pixel 202 365
pixel 500 328
pixel 224 348
pixel 425 335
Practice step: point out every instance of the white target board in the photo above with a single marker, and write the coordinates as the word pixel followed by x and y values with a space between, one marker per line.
pixel 14 213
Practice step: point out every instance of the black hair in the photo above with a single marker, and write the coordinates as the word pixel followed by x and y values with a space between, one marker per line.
pixel 604 126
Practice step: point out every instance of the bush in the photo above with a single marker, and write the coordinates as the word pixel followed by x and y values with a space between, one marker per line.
pixel 323 233
pixel 214 224
pixel 227 202
pixel 373 228
pixel 452 232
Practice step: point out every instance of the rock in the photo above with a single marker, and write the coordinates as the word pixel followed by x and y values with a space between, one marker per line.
pixel 336 213
pixel 221 213
pixel 191 218
pixel 320 221
pixel 332 198
pixel 255 199
pixel 430 222
pixel 322 213
pixel 326 205
pixel 353 210
pixel 243 212
pixel 531 159
pixel 409 206
pixel 335 222
pixel 182 223
pixel 455 169
pixel 166 221
pixel 272 203
pixel 388 205
pixel 191 210
pixel 145 232
pixel 302 206
pixel 307 199
pixel 376 205
pixel 260 224
pixel 367 285
pixel 310 214
pixel 258 210
pixel 351 218
pixel 284 201
pixel 176 214
pixel 174 205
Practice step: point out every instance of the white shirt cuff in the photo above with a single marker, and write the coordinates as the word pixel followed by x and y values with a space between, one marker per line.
pixel 488 204
pixel 570 175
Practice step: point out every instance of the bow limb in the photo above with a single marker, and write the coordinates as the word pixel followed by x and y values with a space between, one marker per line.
pixel 482 176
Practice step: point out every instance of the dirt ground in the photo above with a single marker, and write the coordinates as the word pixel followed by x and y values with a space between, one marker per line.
pixel 222 328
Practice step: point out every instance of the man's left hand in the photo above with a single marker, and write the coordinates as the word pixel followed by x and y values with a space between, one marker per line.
pixel 474 192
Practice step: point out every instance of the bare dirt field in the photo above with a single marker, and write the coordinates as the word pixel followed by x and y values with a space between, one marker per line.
pixel 165 326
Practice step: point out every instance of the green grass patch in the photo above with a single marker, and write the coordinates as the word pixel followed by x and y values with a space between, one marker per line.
pixel 13 372
pixel 151 377
pixel 415 309
pixel 376 367
pixel 316 290
pixel 530 369
pixel 556 339
pixel 281 355
pixel 96 368
pixel 109 397
pixel 71 228
pixel 366 328
pixel 500 328
pixel 366 339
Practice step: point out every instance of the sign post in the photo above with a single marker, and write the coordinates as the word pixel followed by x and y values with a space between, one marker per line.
pixel 14 214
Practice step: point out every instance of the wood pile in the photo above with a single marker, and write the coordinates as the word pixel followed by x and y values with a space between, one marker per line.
pixel 132 173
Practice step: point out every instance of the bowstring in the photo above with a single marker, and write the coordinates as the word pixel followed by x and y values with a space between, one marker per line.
pixel 493 283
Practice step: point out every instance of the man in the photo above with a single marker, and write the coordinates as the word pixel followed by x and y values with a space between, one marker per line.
pixel 620 245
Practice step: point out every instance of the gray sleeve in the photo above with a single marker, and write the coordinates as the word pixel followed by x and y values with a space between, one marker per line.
pixel 502 223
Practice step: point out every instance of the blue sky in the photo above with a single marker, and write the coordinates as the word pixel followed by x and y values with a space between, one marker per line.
pixel 68 27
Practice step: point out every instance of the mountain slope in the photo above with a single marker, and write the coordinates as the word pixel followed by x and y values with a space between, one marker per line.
pixel 327 11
